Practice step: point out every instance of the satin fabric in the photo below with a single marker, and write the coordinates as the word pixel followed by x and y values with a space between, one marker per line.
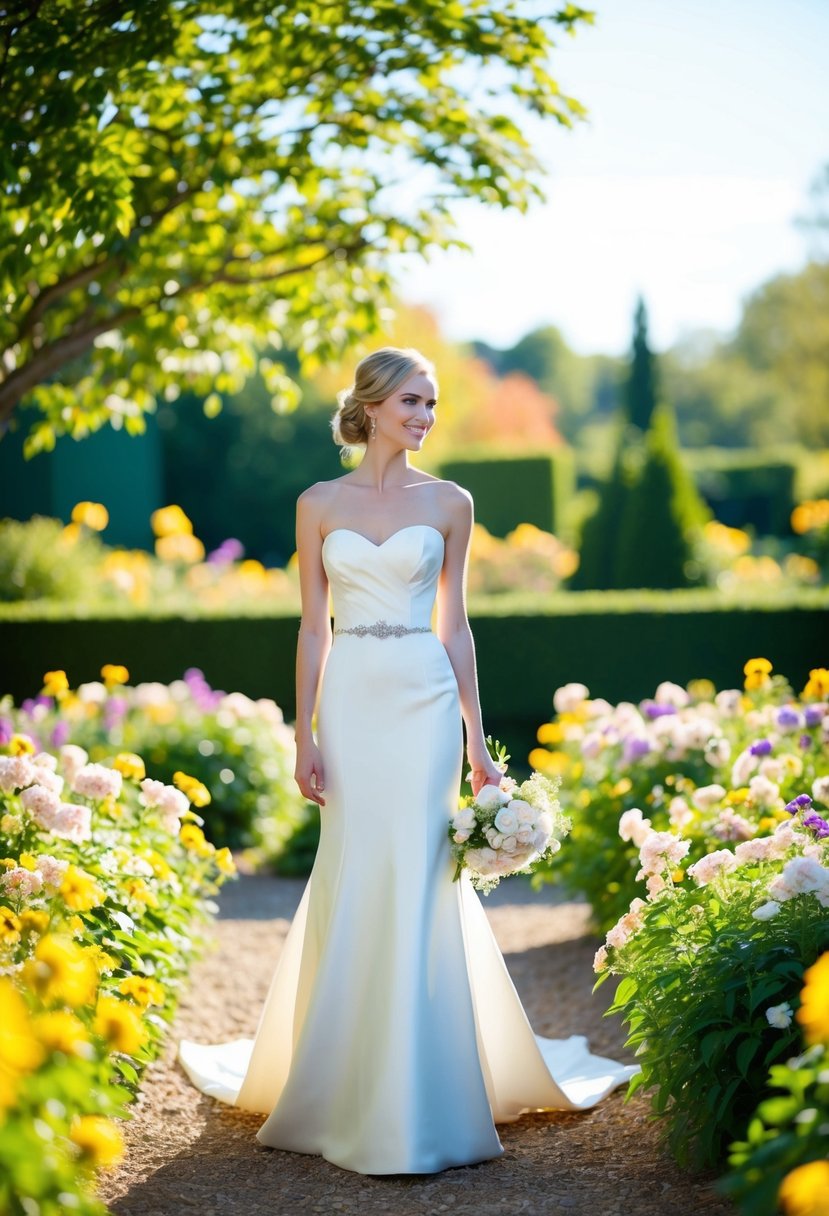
pixel 392 1039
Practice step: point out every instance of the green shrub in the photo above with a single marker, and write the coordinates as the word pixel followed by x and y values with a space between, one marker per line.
pixel 515 489
pixel 40 560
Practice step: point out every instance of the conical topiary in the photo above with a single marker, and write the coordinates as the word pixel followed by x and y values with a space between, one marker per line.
pixel 661 513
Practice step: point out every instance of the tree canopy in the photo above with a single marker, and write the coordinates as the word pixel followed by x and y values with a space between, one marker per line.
pixel 190 183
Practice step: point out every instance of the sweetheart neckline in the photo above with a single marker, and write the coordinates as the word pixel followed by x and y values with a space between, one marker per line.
pixel 373 544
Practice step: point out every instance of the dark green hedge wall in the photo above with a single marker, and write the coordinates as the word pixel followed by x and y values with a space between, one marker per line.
pixel 513 489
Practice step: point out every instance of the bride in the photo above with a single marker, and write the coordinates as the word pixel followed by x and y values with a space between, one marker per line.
pixel 392 1039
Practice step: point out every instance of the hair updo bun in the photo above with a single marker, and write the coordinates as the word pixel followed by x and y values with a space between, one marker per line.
pixel 375 378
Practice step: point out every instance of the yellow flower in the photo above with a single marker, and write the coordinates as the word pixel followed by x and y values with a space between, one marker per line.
pixel 160 867
pixel 21 745
pixel 224 861
pixel 143 989
pixel 119 1024
pixel 34 920
pixel 678 875
pixel 20 1050
pixel 623 786
pixel 701 689
pixel 61 971
pixel 182 547
pixel 99 1140
pixel 138 890
pixel 813 1013
pixel 10 926
pixel 817 686
pixel 757 673
pixel 55 684
pixel 548 762
pixel 101 960
pixel 805 1190
pixel 550 732
pixel 93 514
pixel 113 674
pixel 80 891
pixel 738 796
pixel 170 521
pixel 28 861
pixel 130 765
pixel 584 798
pixel 193 839
pixel 60 1030
pixel 198 794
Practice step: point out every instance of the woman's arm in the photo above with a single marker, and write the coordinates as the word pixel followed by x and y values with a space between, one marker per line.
pixel 455 634
pixel 313 642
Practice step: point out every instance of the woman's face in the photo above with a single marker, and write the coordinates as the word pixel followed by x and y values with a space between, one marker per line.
pixel 407 416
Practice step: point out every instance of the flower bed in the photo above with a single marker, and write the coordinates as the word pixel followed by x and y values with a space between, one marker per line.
pixel 106 881
pixel 717 768
pixel 240 750
pixel 701 836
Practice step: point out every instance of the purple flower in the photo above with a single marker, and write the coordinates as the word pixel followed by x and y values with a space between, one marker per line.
pixel 31 703
pixel 655 709
pixel 635 747
pixel 230 550
pixel 818 825
pixel 114 711
pixel 60 734
pixel 761 748
pixel 814 714
pixel 805 741
pixel 788 717
pixel 797 804
pixel 6 731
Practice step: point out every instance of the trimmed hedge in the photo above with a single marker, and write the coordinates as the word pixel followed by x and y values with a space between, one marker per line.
pixel 513 489
pixel 620 644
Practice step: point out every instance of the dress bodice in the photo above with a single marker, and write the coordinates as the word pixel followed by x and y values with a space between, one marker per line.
pixel 395 581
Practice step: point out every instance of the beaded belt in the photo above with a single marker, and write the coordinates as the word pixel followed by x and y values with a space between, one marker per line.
pixel 382 629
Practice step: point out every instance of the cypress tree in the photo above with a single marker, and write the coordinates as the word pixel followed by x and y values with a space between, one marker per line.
pixel 641 389
pixel 661 513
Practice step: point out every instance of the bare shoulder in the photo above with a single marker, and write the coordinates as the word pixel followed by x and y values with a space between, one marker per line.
pixel 316 496
pixel 456 499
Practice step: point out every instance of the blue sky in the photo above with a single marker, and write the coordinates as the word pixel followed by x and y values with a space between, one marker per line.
pixel 708 121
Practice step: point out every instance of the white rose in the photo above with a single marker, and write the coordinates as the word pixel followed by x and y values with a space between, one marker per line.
pixel 460 837
pixel 540 839
pixel 464 820
pixel 490 796
pixel 766 911
pixel 509 844
pixel 524 812
pixel 525 835
pixel 506 821
pixel 544 823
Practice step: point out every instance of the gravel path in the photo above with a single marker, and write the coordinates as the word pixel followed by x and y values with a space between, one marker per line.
pixel 189 1153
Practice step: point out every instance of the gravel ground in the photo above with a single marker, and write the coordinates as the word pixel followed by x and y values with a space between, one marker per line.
pixel 187 1152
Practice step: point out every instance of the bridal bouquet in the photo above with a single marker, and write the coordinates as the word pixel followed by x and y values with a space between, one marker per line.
pixel 508 827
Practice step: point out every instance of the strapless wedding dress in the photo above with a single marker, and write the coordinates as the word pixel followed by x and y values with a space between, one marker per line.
pixel 392 1039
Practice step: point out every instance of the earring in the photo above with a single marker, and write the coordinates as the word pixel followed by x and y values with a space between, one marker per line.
pixel 373 430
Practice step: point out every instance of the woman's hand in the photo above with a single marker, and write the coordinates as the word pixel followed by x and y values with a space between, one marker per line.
pixel 309 774
pixel 484 769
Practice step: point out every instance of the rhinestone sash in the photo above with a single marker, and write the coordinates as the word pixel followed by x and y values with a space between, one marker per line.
pixel 382 629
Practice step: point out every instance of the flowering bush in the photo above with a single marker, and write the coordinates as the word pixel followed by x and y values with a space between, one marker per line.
pixel 241 751
pixel 506 827
pixel 105 882
pixel 712 769
pixel 526 559
pixel 783 1159
pixel 712 966
pixel 44 560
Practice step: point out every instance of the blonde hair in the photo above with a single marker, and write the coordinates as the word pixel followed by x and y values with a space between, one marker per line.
pixel 375 378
